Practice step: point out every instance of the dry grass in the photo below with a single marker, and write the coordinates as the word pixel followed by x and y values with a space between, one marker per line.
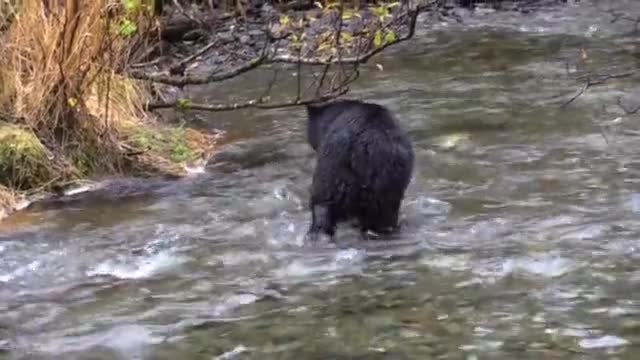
pixel 58 69
pixel 54 71
pixel 7 12
pixel 70 113
pixel 7 201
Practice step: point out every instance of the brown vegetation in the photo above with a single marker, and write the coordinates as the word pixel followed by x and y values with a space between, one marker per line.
pixel 68 112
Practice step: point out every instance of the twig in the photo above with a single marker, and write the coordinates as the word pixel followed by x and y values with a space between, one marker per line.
pixel 599 80
pixel 339 34
pixel 270 85
pixel 182 64
pixel 616 16
pixel 163 77
pixel 145 55
pixel 261 103
pixel 145 64
pixel 324 75
pixel 199 80
pixel 184 12
pixel 577 95
pixel 10 118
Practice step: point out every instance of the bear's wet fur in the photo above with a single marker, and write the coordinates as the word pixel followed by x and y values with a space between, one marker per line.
pixel 364 166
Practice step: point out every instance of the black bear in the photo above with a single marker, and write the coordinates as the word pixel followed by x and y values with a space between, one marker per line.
pixel 364 165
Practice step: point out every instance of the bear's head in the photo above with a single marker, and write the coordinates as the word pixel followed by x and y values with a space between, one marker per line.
pixel 321 116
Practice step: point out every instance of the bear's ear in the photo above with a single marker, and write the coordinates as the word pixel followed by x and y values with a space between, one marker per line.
pixel 313 110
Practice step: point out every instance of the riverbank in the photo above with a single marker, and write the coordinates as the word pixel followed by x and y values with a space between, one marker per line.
pixel 69 113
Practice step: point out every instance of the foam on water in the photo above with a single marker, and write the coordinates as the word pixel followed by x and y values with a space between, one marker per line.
pixel 232 302
pixel 548 266
pixel 344 261
pixel 21 271
pixel 130 340
pixel 233 354
pixel 602 342
pixel 140 267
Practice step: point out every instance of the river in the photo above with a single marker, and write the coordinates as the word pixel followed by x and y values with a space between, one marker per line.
pixel 520 229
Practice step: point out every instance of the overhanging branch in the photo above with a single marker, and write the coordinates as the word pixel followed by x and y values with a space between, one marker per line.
pixel 260 103
pixel 170 77
pixel 199 80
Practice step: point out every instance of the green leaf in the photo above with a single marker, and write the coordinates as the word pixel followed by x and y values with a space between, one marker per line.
pixel 377 39
pixel 347 14
pixel 127 27
pixel 347 37
pixel 284 20
pixel 377 10
pixel 131 6
pixel 390 37
pixel 184 103
pixel 73 102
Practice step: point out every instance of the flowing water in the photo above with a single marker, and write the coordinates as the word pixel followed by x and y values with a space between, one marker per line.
pixel 520 237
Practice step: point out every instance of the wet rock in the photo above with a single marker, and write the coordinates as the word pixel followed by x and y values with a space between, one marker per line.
pixel 245 39
pixel 256 33
pixel 225 37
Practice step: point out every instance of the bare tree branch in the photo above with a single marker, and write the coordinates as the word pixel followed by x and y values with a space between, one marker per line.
pixel 617 16
pixel 176 3
pixel 182 64
pixel 261 103
pixel 358 59
pixel 596 79
pixel 174 80
pixel 329 84
pixel 577 95
pixel 199 80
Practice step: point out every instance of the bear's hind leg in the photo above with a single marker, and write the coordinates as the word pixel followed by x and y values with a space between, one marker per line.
pixel 380 218
pixel 323 223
